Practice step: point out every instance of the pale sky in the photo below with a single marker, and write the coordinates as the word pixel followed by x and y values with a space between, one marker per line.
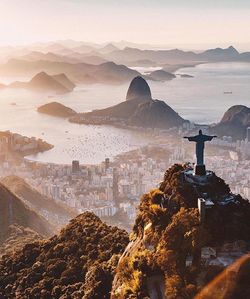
pixel 215 22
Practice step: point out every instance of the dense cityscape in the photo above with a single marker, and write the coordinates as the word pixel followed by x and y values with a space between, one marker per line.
pixel 117 185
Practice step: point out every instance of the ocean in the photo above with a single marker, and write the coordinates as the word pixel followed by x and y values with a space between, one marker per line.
pixel 202 99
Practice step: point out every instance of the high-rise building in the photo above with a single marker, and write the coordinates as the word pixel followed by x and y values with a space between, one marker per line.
pixel 248 134
pixel 107 163
pixel 55 191
pixel 115 186
pixel 75 166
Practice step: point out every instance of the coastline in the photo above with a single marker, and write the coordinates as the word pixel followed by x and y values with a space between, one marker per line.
pixel 121 124
pixel 18 146
pixel 176 67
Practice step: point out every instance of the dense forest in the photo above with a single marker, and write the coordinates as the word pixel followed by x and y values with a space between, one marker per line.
pixel 77 263
pixel 168 231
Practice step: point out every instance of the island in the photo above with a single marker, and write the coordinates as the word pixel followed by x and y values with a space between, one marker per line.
pixel 161 75
pixel 42 82
pixel 186 76
pixel 56 109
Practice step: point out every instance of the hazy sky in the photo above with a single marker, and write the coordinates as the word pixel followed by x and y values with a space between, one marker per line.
pixel 145 21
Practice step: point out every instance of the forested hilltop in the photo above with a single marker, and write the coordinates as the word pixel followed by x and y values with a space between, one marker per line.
pixel 172 251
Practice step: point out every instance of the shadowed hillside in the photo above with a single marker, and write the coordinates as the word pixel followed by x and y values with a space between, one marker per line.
pixel 14 211
pixel 56 213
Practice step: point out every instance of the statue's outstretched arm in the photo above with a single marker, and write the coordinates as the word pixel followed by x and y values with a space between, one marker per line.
pixel 190 138
pixel 209 138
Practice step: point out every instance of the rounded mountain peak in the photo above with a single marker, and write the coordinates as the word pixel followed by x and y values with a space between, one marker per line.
pixel 237 114
pixel 138 88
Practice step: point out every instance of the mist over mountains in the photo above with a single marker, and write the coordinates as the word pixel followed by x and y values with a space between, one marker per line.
pixel 108 72
pixel 109 64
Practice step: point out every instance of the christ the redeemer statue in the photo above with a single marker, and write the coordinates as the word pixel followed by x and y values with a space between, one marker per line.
pixel 200 140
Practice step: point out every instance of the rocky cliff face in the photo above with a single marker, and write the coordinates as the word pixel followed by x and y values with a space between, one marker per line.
pixel 169 253
pixel 78 263
pixel 138 89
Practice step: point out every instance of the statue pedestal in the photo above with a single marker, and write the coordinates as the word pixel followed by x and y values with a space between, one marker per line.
pixel 200 170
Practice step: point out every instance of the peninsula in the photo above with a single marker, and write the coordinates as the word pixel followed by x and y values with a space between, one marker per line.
pixel 138 110
pixel 16 145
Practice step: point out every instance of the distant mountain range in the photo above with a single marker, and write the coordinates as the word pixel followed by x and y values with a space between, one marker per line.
pixel 69 57
pixel 88 63
pixel 177 56
pixel 125 51
pixel 107 72
pixel 49 56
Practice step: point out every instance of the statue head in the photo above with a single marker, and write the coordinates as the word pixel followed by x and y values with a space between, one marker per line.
pixel 200 132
